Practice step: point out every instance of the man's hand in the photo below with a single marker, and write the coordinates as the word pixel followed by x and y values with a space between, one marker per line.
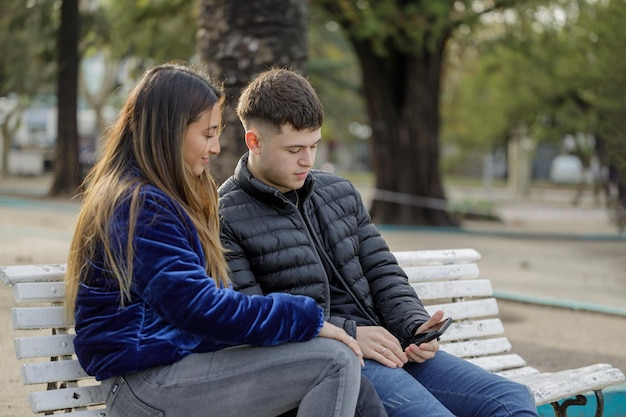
pixel 380 345
pixel 427 350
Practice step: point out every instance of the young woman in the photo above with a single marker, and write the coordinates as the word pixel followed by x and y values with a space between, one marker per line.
pixel 147 282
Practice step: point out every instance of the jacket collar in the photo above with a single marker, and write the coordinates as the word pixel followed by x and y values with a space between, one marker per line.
pixel 265 193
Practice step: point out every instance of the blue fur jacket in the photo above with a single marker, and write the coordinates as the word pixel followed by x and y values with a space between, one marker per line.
pixel 175 309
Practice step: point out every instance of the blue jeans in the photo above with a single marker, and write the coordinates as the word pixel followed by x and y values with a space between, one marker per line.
pixel 448 386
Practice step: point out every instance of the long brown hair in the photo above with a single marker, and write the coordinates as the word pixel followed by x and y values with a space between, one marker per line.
pixel 148 137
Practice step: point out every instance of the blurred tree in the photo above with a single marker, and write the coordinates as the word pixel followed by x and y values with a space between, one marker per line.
pixel 125 39
pixel 139 36
pixel 27 45
pixel 145 33
pixel 335 73
pixel 26 60
pixel 66 171
pixel 605 85
pixel 400 45
pixel 555 68
pixel 238 39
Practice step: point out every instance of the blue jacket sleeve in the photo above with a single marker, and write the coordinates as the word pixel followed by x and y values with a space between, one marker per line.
pixel 170 276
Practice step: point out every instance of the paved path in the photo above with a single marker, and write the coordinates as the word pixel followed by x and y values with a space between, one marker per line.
pixel 559 270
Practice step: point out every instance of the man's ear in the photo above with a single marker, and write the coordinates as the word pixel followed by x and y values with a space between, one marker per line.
pixel 252 141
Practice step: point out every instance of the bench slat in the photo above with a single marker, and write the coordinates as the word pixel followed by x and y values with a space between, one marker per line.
pixel 497 363
pixel 66 398
pixel 572 373
pixel 518 372
pixel 55 371
pixel 466 309
pixel 43 346
pixel 441 272
pixel 32 273
pixel 101 412
pixel 471 329
pixel 555 386
pixel 26 292
pixel 453 289
pixel 29 318
pixel 430 257
pixel 479 347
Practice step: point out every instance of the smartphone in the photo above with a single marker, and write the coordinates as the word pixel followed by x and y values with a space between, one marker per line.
pixel 429 334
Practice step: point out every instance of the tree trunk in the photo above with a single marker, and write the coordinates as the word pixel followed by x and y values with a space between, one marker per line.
pixel 236 40
pixel 402 95
pixel 8 128
pixel 66 170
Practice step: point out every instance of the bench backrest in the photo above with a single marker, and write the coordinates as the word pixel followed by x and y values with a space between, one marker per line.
pixel 449 280
pixel 46 345
pixel 444 279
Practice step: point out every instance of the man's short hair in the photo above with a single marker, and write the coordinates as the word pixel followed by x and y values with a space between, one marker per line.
pixel 277 97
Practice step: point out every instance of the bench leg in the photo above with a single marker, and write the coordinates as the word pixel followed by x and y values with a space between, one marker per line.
pixel 560 410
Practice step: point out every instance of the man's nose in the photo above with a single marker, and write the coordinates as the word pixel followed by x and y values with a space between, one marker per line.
pixel 308 157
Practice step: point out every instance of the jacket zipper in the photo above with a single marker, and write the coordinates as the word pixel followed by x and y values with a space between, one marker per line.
pixel 321 253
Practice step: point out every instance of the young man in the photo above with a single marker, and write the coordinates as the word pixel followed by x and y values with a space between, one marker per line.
pixel 293 229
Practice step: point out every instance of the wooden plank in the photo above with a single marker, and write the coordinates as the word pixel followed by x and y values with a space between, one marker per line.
pixel 466 309
pixel 556 386
pixel 453 289
pixel 570 373
pixel 433 257
pixel 518 372
pixel 441 272
pixel 26 292
pixel 32 273
pixel 29 318
pixel 472 329
pixel 477 347
pixel 498 363
pixel 56 371
pixel 65 398
pixel 101 412
pixel 44 346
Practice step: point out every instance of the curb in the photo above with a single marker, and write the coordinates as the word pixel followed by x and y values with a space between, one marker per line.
pixel 505 234
pixel 34 203
pixel 556 302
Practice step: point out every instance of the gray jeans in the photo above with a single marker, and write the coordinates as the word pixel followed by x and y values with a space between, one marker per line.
pixel 320 377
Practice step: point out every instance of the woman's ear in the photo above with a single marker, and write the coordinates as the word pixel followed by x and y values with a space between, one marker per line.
pixel 252 141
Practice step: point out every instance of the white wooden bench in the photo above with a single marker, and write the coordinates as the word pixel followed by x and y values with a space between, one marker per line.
pixel 444 279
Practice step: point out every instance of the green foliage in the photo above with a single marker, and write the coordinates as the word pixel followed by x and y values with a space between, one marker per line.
pixel 406 26
pixel 334 72
pixel 556 68
pixel 152 31
pixel 27 45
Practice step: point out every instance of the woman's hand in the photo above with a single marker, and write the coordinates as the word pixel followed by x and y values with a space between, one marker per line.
pixel 380 345
pixel 331 331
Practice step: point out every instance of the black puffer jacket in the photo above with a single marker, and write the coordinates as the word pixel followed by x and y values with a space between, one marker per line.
pixel 274 248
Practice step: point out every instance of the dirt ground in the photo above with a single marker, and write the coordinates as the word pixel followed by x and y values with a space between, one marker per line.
pixel 563 267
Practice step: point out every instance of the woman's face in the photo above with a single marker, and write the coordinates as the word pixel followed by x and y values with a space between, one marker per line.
pixel 202 140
